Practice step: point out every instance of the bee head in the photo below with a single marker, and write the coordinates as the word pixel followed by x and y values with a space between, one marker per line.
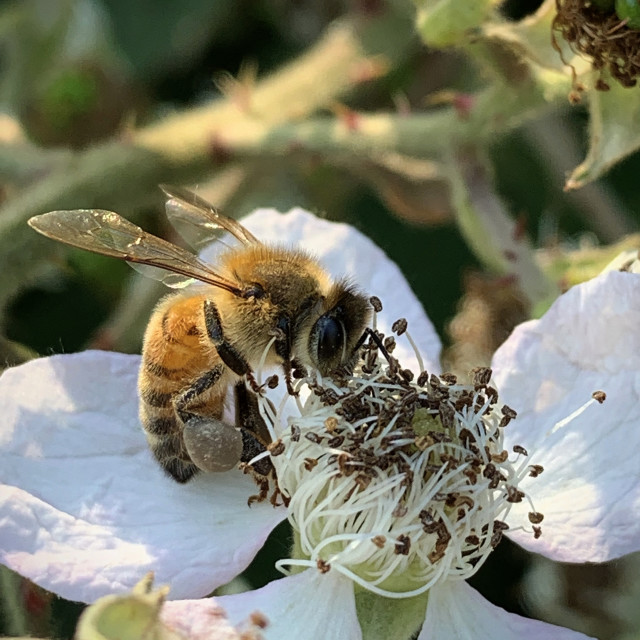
pixel 336 333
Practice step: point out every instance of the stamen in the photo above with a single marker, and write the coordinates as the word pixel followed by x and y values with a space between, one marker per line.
pixel 415 351
pixel 565 421
pixel 396 484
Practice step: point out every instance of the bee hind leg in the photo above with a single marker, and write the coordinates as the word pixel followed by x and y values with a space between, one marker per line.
pixel 211 444
pixel 168 448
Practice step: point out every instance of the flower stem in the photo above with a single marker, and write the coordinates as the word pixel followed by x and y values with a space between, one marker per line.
pixel 382 618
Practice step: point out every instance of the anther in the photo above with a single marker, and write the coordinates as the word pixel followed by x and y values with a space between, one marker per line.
pixel 403 545
pixel 481 376
pixel 276 448
pixel 323 567
pixel 399 326
pixel 535 470
pixel 535 517
pixel 310 463
pixel 379 541
pixel 376 303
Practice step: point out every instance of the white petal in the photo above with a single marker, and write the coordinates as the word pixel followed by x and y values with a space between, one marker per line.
pixel 308 605
pixel 589 492
pixel 344 251
pixel 85 511
pixel 458 612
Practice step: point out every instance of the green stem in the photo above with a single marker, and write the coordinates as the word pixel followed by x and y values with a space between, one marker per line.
pixel 12 605
pixel 124 174
pixel 489 230
pixel 384 618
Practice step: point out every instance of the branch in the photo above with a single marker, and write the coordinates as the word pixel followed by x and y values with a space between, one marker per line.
pixel 124 174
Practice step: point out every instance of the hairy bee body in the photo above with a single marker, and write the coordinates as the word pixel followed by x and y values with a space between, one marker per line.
pixel 174 355
pixel 258 305
pixel 177 349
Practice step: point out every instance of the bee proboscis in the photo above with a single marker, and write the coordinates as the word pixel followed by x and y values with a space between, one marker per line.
pixel 257 300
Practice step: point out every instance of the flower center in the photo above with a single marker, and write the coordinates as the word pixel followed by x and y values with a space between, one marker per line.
pixel 393 482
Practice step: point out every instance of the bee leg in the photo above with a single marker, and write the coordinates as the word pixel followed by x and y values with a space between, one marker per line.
pixel 256 438
pixel 211 444
pixel 283 349
pixel 227 352
pixel 370 333
pixel 298 370
pixel 255 435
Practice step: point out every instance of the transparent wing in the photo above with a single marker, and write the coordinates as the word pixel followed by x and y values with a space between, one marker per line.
pixel 198 222
pixel 109 234
pixel 172 280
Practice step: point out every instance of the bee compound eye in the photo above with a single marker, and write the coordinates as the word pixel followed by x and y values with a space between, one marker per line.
pixel 212 445
pixel 330 334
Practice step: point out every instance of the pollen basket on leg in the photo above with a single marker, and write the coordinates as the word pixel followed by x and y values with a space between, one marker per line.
pixel 398 480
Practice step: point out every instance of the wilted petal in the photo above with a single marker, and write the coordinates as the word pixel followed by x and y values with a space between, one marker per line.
pixel 85 511
pixel 344 251
pixel 589 492
pixel 458 612
pixel 308 605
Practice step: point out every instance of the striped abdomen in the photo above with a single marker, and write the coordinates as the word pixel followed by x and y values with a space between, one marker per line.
pixel 175 358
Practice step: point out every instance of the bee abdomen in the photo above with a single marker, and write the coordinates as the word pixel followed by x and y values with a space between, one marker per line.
pixel 155 398
pixel 166 444
pixel 178 469
pixel 160 426
pixel 164 373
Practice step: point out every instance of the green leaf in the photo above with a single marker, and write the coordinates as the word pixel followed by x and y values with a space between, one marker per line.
pixel 443 23
pixel 614 132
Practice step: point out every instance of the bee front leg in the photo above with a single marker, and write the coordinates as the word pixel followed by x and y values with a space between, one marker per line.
pixel 212 444
pixel 227 352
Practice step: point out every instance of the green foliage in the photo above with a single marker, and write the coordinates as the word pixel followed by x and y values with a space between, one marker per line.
pixel 437 127
pixel 629 10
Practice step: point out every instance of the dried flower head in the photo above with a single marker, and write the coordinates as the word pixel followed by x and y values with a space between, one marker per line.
pixel 592 28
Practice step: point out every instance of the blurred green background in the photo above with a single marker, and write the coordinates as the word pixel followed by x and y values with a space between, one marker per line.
pixel 77 75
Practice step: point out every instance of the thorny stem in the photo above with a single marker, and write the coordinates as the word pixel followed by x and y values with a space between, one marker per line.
pixel 123 174
pixel 493 235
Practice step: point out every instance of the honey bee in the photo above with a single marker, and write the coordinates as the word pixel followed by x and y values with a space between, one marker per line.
pixel 259 304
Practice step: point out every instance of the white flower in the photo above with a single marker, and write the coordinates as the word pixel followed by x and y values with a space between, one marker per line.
pixel 85 511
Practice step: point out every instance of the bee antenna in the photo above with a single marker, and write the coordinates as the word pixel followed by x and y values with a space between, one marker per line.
pixel 287 366
pixel 369 332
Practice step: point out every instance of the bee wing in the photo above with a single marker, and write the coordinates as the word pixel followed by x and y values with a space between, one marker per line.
pixel 200 223
pixel 109 234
